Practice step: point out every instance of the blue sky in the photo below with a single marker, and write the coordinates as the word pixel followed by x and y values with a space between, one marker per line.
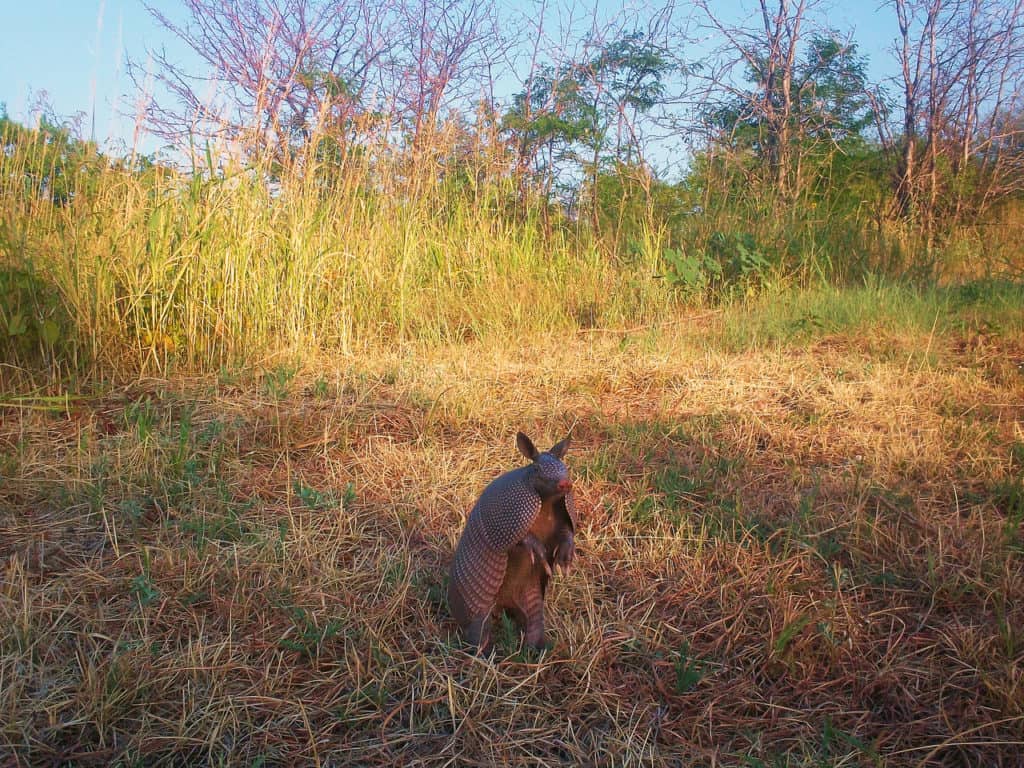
pixel 75 51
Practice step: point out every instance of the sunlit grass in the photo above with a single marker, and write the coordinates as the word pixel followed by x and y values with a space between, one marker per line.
pixel 796 315
pixel 142 272
pixel 806 554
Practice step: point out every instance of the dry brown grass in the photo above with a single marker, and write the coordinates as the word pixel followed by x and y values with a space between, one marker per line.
pixel 793 557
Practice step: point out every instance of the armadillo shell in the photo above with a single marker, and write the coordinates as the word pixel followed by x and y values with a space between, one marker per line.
pixel 500 519
pixel 507 508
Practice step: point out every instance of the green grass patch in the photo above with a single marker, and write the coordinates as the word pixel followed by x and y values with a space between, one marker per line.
pixel 800 316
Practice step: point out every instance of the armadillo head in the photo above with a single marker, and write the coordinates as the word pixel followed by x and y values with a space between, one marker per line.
pixel 550 476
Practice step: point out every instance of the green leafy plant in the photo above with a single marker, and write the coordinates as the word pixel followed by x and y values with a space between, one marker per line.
pixel 277 381
pixel 142 587
pixel 308 636
pixel 320 500
pixel 692 273
pixel 689 670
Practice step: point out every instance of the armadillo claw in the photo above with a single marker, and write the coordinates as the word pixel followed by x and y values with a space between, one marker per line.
pixel 536 550
pixel 564 554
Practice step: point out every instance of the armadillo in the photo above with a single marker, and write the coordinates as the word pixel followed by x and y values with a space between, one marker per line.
pixel 522 525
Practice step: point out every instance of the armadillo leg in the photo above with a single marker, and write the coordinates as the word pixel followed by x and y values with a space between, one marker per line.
pixel 478 633
pixel 531 604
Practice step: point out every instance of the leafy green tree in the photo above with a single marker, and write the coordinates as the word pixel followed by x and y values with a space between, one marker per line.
pixel 628 79
pixel 549 120
pixel 831 106
pixel 581 121
pixel 833 91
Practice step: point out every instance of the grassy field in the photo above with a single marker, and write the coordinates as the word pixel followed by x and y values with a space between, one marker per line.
pixel 241 425
pixel 801 545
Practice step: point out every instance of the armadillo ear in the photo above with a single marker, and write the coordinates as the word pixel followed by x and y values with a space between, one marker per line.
pixel 559 449
pixel 526 446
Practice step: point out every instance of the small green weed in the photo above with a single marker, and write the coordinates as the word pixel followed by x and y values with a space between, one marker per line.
pixel 833 738
pixel 206 527
pixel 1009 498
pixel 321 500
pixel 314 499
pixel 689 669
pixel 506 635
pixel 277 381
pixel 690 273
pixel 320 388
pixel 141 415
pixel 142 587
pixel 790 632
pixel 309 637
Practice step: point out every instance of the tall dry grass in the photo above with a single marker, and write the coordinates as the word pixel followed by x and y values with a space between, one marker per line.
pixel 114 269
pixel 239 260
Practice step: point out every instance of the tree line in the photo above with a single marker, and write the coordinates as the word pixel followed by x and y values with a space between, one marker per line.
pixel 575 97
